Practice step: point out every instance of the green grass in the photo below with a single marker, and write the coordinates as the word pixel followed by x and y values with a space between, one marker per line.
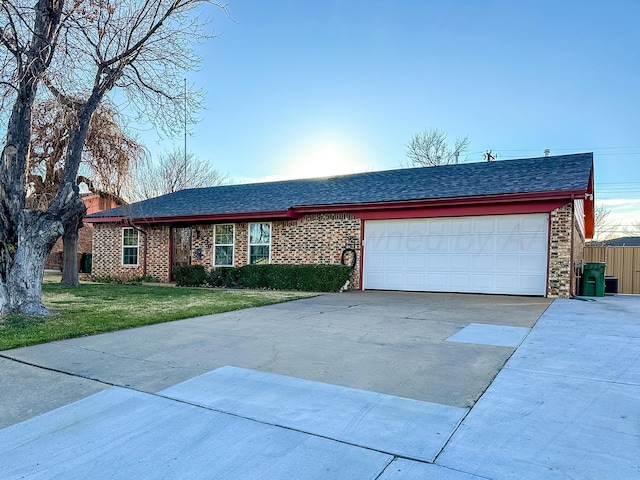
pixel 97 308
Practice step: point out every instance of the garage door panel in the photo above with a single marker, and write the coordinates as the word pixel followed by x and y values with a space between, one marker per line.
pixel 375 262
pixel 490 254
pixel 437 243
pixel 416 244
pixel 460 263
pixel 483 281
pixel 394 262
pixel 507 263
pixel 414 281
pixel 394 280
pixel 530 263
pixel 437 227
pixel 482 262
pixel 534 243
pixel 484 225
pixel 458 281
pixel 508 224
pixel 416 262
pixel 533 224
pixel 436 263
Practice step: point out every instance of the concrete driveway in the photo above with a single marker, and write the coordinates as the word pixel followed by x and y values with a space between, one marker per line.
pixel 565 405
pixel 387 342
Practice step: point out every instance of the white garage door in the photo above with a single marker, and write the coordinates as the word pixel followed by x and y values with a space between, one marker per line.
pixel 488 254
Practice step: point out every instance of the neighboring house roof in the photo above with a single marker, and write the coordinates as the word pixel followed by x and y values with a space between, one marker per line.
pixel 623 242
pixel 556 176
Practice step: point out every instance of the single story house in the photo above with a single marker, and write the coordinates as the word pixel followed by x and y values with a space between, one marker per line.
pixel 504 227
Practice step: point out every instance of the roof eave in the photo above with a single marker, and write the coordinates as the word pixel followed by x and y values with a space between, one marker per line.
pixel 502 198
pixel 297 211
pixel 271 215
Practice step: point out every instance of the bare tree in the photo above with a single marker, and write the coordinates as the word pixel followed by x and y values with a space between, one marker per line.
pixel 28 38
pixel 430 149
pixel 107 160
pixel 142 47
pixel 168 175
pixel 633 230
pixel 604 228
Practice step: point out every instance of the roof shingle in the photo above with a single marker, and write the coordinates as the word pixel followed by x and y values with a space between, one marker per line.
pixel 561 173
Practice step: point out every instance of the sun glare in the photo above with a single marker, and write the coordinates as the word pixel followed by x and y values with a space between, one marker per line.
pixel 323 158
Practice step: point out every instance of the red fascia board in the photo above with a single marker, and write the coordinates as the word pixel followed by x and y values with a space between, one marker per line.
pixel 589 209
pixel 360 209
pixel 489 199
pixel 274 215
pixel 462 210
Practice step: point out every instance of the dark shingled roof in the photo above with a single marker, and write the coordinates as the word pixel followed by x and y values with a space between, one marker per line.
pixel 623 242
pixel 561 173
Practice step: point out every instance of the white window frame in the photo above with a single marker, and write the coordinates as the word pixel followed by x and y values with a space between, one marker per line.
pixel 232 244
pixel 123 246
pixel 249 244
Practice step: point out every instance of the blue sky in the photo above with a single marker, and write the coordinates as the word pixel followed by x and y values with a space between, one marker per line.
pixel 309 88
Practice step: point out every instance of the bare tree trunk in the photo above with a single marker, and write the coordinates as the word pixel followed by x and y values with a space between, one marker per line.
pixel 23 285
pixel 70 252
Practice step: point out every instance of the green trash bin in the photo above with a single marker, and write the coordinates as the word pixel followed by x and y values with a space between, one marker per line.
pixel 593 279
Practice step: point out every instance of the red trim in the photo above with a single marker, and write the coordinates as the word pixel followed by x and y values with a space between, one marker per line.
pixel 548 253
pixel 589 209
pixel 461 210
pixel 361 266
pixel 248 216
pixel 562 197
pixel 489 202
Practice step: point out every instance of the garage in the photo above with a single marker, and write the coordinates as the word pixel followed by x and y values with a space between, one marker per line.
pixel 501 254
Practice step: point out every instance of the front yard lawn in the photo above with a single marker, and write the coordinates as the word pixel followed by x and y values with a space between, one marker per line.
pixel 97 308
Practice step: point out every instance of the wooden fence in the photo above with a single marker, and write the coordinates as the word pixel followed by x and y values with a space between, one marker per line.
pixel 622 262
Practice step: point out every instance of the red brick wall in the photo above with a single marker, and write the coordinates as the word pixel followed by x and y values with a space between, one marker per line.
pixel 314 239
pixel 107 253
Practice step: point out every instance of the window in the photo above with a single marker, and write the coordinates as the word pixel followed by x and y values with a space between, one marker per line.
pixel 130 246
pixel 259 242
pixel 223 245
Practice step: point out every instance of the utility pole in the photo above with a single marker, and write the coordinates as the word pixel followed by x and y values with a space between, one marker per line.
pixel 185 133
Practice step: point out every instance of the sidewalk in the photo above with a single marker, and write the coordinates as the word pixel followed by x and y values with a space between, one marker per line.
pixel 564 406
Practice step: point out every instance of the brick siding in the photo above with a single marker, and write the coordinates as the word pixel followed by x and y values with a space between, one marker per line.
pixel 316 239
pixel 312 239
pixel 560 263
pixel 107 253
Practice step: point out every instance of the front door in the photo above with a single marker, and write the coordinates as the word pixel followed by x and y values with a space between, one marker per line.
pixel 181 247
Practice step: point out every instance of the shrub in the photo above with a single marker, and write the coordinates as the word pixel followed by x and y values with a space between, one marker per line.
pixel 123 279
pixel 189 275
pixel 310 278
pixel 224 277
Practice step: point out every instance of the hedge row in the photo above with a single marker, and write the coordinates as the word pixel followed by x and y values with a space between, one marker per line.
pixel 310 278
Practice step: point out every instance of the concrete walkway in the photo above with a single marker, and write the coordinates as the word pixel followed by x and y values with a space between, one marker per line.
pixel 564 406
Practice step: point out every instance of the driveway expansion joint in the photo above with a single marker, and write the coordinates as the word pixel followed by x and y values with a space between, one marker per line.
pixel 56 370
